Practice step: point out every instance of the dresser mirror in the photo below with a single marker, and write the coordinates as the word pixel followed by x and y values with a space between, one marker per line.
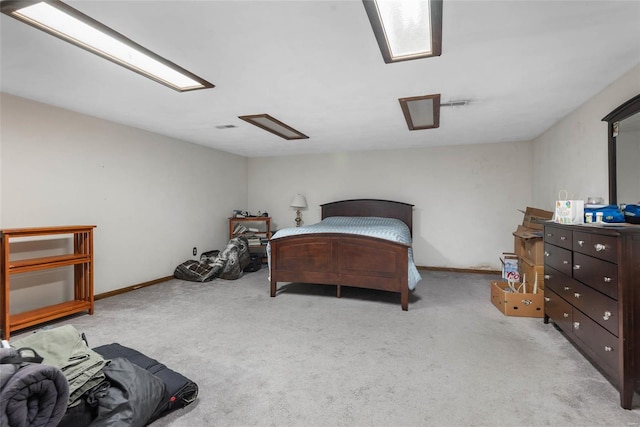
pixel 624 152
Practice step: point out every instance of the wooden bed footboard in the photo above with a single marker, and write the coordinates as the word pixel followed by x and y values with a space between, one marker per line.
pixel 341 259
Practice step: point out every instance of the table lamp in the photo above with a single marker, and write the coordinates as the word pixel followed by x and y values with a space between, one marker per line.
pixel 298 202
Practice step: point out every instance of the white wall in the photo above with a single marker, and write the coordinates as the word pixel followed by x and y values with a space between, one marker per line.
pixel 466 197
pixel 573 154
pixel 153 198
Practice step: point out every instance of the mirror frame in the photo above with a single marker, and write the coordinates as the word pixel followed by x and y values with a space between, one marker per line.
pixel 625 110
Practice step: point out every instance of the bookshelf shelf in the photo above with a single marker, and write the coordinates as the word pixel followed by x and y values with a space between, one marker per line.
pixel 257 230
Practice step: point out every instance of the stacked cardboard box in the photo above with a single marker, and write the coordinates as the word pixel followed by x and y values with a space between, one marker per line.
pixel 529 247
pixel 528 258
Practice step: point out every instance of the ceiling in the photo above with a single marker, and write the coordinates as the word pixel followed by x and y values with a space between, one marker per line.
pixel 316 66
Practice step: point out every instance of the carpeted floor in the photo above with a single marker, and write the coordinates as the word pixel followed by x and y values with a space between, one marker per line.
pixel 306 358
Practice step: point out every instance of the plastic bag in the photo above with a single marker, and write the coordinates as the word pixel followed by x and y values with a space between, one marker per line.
pixel 568 211
pixel 610 213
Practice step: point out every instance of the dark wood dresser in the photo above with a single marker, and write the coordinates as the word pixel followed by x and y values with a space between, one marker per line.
pixel 592 293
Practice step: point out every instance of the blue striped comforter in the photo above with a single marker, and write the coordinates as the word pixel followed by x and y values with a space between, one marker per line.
pixel 383 228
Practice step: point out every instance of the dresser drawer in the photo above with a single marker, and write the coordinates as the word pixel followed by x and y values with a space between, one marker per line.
pixel 598 274
pixel 558 310
pixel 598 342
pixel 558 258
pixel 602 247
pixel 597 306
pixel 559 283
pixel 558 236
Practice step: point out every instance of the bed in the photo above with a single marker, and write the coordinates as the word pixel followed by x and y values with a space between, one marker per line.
pixel 344 257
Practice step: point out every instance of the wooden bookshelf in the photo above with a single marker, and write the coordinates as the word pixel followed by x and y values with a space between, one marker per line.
pixel 81 259
pixel 261 226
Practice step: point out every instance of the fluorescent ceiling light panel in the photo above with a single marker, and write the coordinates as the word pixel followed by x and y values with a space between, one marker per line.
pixel 67 23
pixel 406 29
pixel 275 126
pixel 421 112
pixel 455 104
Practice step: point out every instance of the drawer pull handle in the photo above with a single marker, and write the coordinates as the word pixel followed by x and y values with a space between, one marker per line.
pixel 581 242
pixel 599 247
pixel 547 299
pixel 565 315
pixel 607 279
pixel 577 294
pixel 607 315
pixel 549 234
pixel 567 288
pixel 576 267
pixel 546 253
pixel 565 262
pixel 547 277
pixel 576 325
pixel 563 237
pixel 607 348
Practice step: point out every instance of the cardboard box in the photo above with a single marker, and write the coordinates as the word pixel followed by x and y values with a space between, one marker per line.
pixel 519 240
pixel 516 304
pixel 534 250
pixel 529 244
pixel 534 219
pixel 528 237
pixel 510 266
pixel 530 272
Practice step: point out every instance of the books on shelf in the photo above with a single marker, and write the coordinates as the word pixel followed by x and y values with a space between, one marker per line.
pixel 255 230
pixel 239 229
pixel 253 240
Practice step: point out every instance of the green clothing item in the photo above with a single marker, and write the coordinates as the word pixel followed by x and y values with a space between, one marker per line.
pixel 64 348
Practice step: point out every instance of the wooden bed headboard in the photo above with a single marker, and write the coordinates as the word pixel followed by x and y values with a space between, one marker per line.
pixel 370 207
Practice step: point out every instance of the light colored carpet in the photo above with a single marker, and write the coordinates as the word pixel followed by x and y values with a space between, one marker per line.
pixel 306 358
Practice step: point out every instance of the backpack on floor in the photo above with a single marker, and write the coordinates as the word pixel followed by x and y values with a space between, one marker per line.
pixel 196 271
pixel 255 264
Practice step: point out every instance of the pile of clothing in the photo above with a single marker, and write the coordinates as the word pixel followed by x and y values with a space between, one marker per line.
pixel 228 264
pixel 105 386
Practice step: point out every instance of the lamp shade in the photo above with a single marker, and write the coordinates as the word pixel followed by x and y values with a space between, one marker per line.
pixel 299 202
